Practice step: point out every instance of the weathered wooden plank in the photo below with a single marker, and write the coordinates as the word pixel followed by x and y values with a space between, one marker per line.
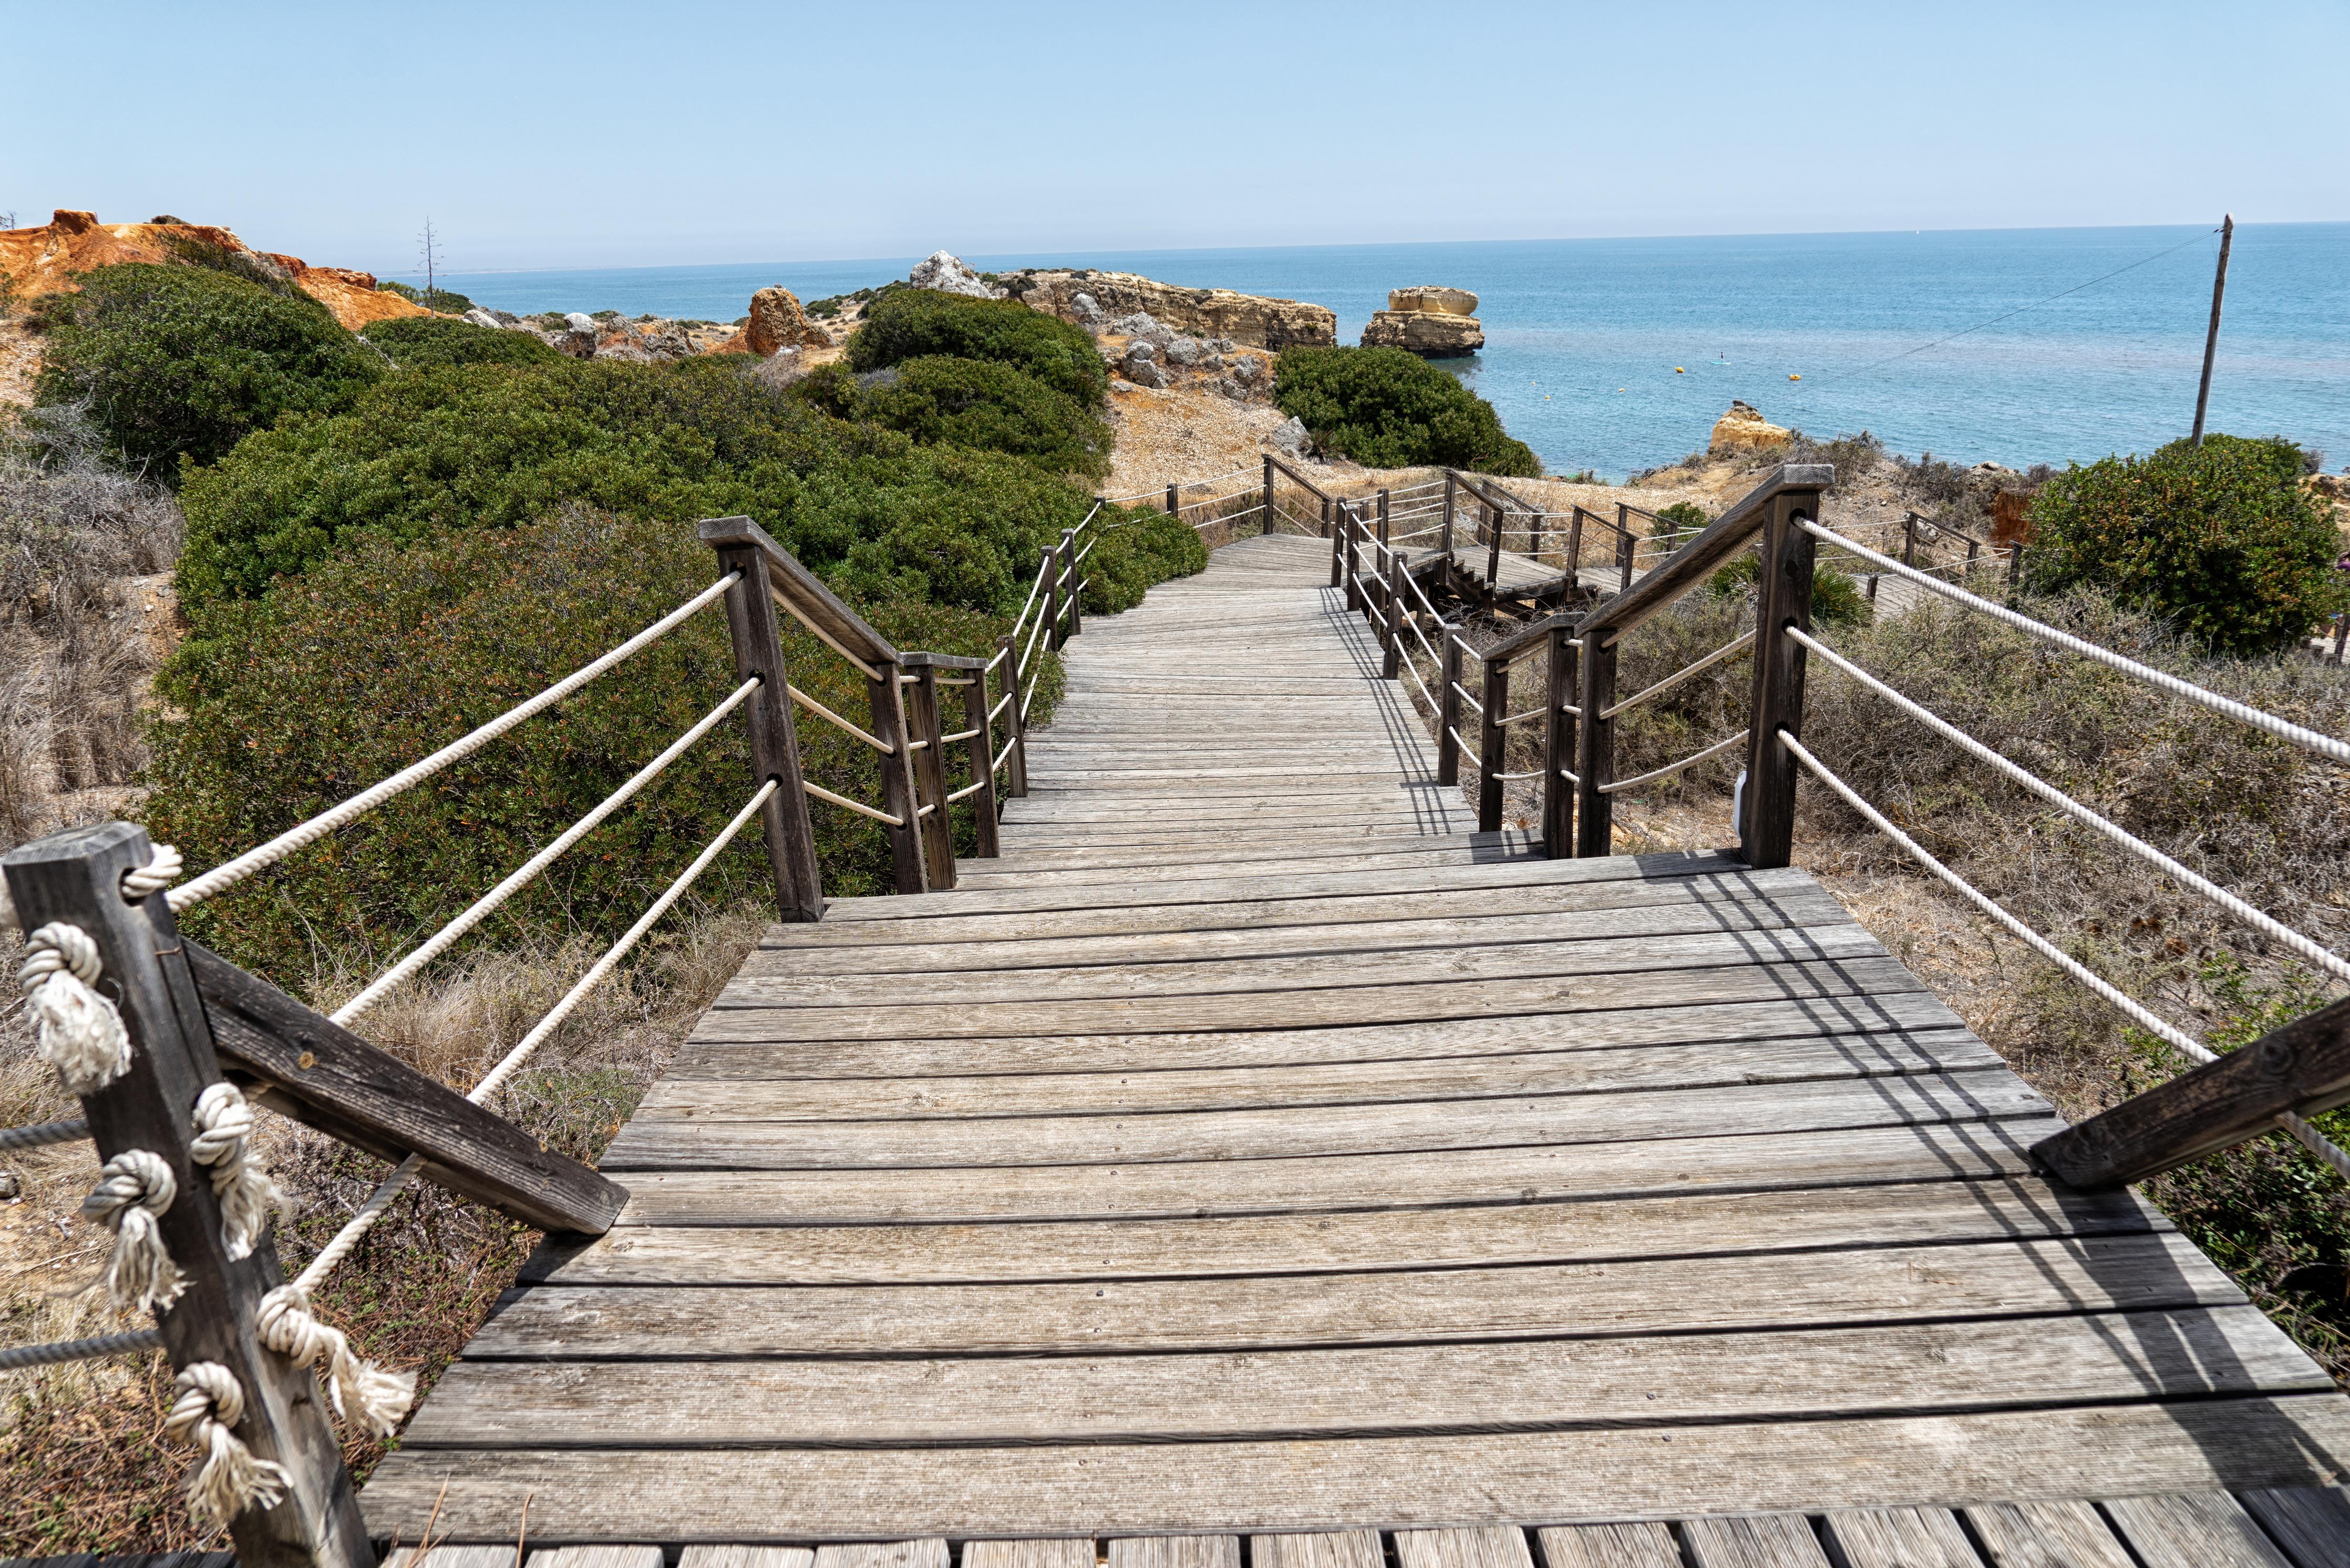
pixel 598 1556
pixel 449 1557
pixel 1332 1548
pixel 1764 1541
pixel 1678 1295
pixel 1493 1546
pixel 1065 1552
pixel 1177 1552
pixel 704 1555
pixel 2046 1535
pixel 2310 1523
pixel 1901 1538
pixel 1644 1545
pixel 1482 1236
pixel 1841 1156
pixel 929 1551
pixel 2200 1529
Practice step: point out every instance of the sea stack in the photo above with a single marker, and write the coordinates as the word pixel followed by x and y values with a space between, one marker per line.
pixel 1434 322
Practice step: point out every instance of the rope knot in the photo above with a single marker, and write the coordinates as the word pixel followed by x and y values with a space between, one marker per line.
pixel 141 882
pixel 228 1479
pixel 225 1125
pixel 134 1189
pixel 360 1389
pixel 81 1034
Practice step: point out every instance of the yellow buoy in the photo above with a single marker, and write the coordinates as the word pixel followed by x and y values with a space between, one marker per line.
pixel 1795 378
pixel 1678 371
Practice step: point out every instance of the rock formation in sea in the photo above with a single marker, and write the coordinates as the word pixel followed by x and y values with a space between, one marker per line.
pixel 1743 429
pixel 1432 321
pixel 1092 299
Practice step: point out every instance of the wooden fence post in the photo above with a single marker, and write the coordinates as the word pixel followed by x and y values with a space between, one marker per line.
pixel 1448 512
pixel 1018 760
pixel 1325 517
pixel 1594 750
pixel 931 777
pixel 1390 666
pixel 1495 517
pixel 1174 506
pixel 1766 835
pixel 1493 745
pixel 774 736
pixel 1558 744
pixel 1908 539
pixel 1447 705
pixel 1336 530
pixel 76 877
pixel 1575 547
pixel 887 702
pixel 1051 572
pixel 1352 525
pixel 2340 634
pixel 976 703
pixel 1267 514
pixel 1070 586
pixel 1624 545
pixel 2015 570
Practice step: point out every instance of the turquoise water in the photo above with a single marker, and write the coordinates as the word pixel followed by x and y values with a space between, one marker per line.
pixel 1617 354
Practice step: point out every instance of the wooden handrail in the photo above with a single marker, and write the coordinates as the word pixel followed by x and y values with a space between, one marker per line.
pixel 1698 560
pixel 801 593
pixel 1298 478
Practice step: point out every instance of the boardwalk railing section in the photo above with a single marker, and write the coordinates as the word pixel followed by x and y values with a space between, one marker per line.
pixel 169 1047
pixel 2277 1082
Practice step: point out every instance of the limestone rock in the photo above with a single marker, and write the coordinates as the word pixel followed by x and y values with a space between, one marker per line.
pixel 1245 367
pixel 1185 351
pixel 1291 436
pixel 1432 335
pixel 777 322
pixel 1141 351
pixel 1433 299
pixel 1141 324
pixel 1743 429
pixel 580 321
pixel 1147 373
pixel 946 274
pixel 1253 320
pixel 479 317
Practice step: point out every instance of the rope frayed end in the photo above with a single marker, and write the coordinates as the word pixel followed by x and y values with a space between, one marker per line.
pixel 81 1033
pixel 134 1189
pixel 359 1390
pixel 227 1480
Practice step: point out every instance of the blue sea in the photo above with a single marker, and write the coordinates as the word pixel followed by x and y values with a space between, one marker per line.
pixel 2019 346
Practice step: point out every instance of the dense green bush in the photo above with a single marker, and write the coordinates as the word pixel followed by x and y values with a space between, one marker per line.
pixel 185 361
pixel 440 299
pixel 940 400
pixel 1836 597
pixel 1137 547
pixel 908 323
pixel 377 655
pixel 1385 408
pixel 2220 540
pixel 424 342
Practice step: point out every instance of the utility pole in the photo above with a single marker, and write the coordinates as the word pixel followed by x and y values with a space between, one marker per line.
pixel 2211 339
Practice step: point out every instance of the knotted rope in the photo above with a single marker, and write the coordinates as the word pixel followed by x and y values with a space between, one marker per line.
pixel 81 1034
pixel 228 1479
pixel 138 884
pixel 359 1390
pixel 223 1126
pixel 134 1188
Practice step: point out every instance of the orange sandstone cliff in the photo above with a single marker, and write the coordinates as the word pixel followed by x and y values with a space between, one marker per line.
pixel 43 260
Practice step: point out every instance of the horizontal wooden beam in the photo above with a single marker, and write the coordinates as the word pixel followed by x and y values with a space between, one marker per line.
pixel 306 1066
pixel 1297 478
pixel 940 661
pixel 800 589
pixel 1697 560
pixel 2302 1067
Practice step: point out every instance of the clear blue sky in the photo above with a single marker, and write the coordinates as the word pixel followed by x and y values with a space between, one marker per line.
pixel 593 134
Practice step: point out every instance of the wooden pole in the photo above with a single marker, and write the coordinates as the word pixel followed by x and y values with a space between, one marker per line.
pixel 1336 529
pixel 1070 585
pixel 1558 744
pixel 1267 514
pixel 1766 836
pixel 1391 666
pixel 1595 751
pixel 976 703
pixel 1447 705
pixel 888 706
pixel 1575 547
pixel 1448 512
pixel 1174 506
pixel 76 877
pixel 1624 546
pixel 2340 635
pixel 1493 516
pixel 1052 572
pixel 1908 538
pixel 774 734
pixel 931 777
pixel 1350 525
pixel 2212 337
pixel 1493 745
pixel 1018 760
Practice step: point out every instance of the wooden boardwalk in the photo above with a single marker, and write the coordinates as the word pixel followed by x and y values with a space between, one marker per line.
pixel 1254 1149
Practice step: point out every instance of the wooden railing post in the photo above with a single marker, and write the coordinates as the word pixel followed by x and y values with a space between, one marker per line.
pixel 1575 547
pixel 887 702
pixel 1594 748
pixel 1494 518
pixel 929 757
pixel 2341 631
pixel 76 877
pixel 1493 745
pixel 1908 541
pixel 1018 760
pixel 975 705
pixel 1174 506
pixel 1351 526
pixel 1267 514
pixel 1766 835
pixel 1051 569
pixel 1070 585
pixel 1447 705
pixel 1558 743
pixel 1624 545
pixel 1391 666
pixel 1448 513
pixel 1338 530
pixel 774 734
pixel 1325 517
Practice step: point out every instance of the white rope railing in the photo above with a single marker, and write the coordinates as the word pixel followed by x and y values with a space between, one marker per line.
pixel 969 789
pixel 1466 698
pixel 481 908
pixel 1715 750
pixel 2267 925
pixel 1466 748
pixel 821 711
pixel 1424 695
pixel 222 878
pixel 858 807
pixel 1730 649
pixel 41 1135
pixel 1529 774
pixel 1000 704
pixel 1043 568
pixel 2283 729
pixel 1519 718
pixel 1001 755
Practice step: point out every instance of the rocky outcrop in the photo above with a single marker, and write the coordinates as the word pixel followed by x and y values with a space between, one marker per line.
pixel 1090 298
pixel 1432 322
pixel 945 273
pixel 1743 429
pixel 775 323
pixel 1433 299
pixel 44 260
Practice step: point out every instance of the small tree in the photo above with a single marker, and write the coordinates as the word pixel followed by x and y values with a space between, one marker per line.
pixel 2222 540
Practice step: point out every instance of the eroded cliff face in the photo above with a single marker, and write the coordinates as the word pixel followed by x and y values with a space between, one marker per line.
pixel 44 260
pixel 1091 299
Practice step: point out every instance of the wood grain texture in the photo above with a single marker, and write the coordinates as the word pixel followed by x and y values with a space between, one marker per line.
pixel 928 1551
pixel 2310 1523
pixel 2046 1535
pixel 1765 1541
pixel 1901 1538
pixel 2193 1530
pixel 1177 1552
pixel 1493 1546
pixel 1062 1552
pixel 1646 1545
pixel 598 1557
pixel 704 1555
pixel 1331 1549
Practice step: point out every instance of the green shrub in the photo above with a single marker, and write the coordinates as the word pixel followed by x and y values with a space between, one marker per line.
pixel 940 400
pixel 185 362
pixel 421 342
pixel 440 299
pixel 1681 518
pixel 1136 547
pixel 2223 541
pixel 908 323
pixel 377 657
pixel 1385 408
pixel 1836 597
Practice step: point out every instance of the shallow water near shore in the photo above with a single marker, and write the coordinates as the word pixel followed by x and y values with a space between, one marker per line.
pixel 1617 354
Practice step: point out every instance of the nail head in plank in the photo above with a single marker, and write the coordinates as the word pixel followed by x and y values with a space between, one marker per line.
pixel 1501 1546
pixel 2311 1522
pixel 2046 1535
pixel 1643 1545
pixel 1765 1541
pixel 2193 1530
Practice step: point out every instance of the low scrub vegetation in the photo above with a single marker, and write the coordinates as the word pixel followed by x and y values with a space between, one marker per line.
pixel 904 324
pixel 1385 408
pixel 422 342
